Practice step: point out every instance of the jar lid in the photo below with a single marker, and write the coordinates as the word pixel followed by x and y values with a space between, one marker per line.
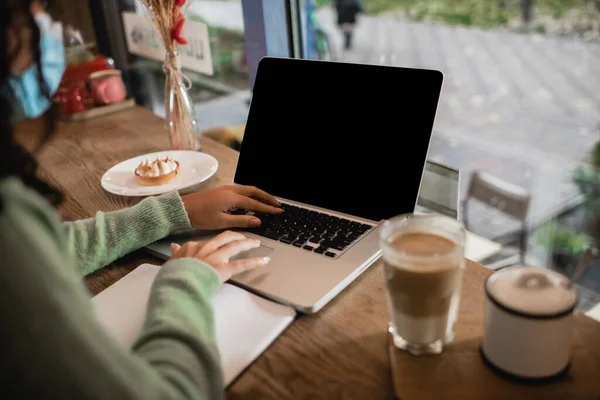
pixel 532 292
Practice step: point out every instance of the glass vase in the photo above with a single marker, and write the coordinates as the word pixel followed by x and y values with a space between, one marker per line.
pixel 180 118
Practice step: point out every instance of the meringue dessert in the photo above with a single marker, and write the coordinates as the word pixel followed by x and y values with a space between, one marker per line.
pixel 157 172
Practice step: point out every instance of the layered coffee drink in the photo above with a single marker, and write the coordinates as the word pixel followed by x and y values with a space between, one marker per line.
pixel 423 257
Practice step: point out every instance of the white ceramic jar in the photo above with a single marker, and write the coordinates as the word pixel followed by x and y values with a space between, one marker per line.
pixel 528 323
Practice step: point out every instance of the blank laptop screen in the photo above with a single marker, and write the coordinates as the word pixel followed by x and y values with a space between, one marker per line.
pixel 347 137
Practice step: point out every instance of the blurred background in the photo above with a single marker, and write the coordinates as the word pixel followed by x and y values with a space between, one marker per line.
pixel 519 114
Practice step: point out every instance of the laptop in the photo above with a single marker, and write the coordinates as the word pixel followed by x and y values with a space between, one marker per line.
pixel 342 147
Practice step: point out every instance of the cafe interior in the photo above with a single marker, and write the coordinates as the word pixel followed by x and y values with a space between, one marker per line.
pixel 296 199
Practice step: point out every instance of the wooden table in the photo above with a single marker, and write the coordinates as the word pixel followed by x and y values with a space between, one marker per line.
pixel 342 352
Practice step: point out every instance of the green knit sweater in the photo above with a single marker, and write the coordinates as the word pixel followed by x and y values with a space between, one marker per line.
pixel 52 346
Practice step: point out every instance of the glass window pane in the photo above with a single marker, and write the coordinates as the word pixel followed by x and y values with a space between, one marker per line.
pixel 221 100
pixel 520 109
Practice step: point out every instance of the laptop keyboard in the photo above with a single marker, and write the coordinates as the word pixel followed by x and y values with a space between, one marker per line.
pixel 309 230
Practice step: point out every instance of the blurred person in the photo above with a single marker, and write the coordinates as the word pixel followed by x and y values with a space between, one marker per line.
pixel 52 345
pixel 347 10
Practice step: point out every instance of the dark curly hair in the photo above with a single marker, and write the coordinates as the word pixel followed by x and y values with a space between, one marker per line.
pixel 15 160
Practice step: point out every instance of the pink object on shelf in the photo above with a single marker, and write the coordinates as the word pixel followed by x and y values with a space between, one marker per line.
pixel 107 87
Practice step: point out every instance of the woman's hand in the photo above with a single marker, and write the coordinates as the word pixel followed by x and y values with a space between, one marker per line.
pixel 208 209
pixel 218 251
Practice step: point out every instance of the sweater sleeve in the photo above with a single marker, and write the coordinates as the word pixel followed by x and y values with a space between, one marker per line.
pixel 179 333
pixel 53 344
pixel 98 241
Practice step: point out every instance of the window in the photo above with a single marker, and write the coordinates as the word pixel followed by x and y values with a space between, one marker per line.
pixel 520 110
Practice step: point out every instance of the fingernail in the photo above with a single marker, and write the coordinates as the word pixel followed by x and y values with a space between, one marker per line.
pixel 255 222
pixel 266 260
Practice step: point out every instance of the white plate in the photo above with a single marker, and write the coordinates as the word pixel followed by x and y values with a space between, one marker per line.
pixel 194 168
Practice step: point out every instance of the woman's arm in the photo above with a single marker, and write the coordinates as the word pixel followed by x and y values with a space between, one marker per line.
pixel 98 241
pixel 52 342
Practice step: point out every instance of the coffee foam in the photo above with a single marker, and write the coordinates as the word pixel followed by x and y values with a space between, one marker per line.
pixel 532 290
pixel 421 252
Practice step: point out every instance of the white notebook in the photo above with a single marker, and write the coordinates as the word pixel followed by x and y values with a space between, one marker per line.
pixel 246 324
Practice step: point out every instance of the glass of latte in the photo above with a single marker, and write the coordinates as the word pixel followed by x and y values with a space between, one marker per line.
pixel 423 259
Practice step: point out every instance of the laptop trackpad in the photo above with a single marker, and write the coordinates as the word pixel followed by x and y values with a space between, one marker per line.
pixel 261 251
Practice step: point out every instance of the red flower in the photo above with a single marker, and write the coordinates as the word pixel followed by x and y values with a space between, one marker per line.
pixel 181 40
pixel 179 3
pixel 177 28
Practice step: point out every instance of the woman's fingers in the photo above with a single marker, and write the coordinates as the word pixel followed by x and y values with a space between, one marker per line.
pixel 247 203
pixel 246 264
pixel 254 192
pixel 218 251
pixel 234 248
pixel 240 221
pixel 188 249
pixel 218 241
